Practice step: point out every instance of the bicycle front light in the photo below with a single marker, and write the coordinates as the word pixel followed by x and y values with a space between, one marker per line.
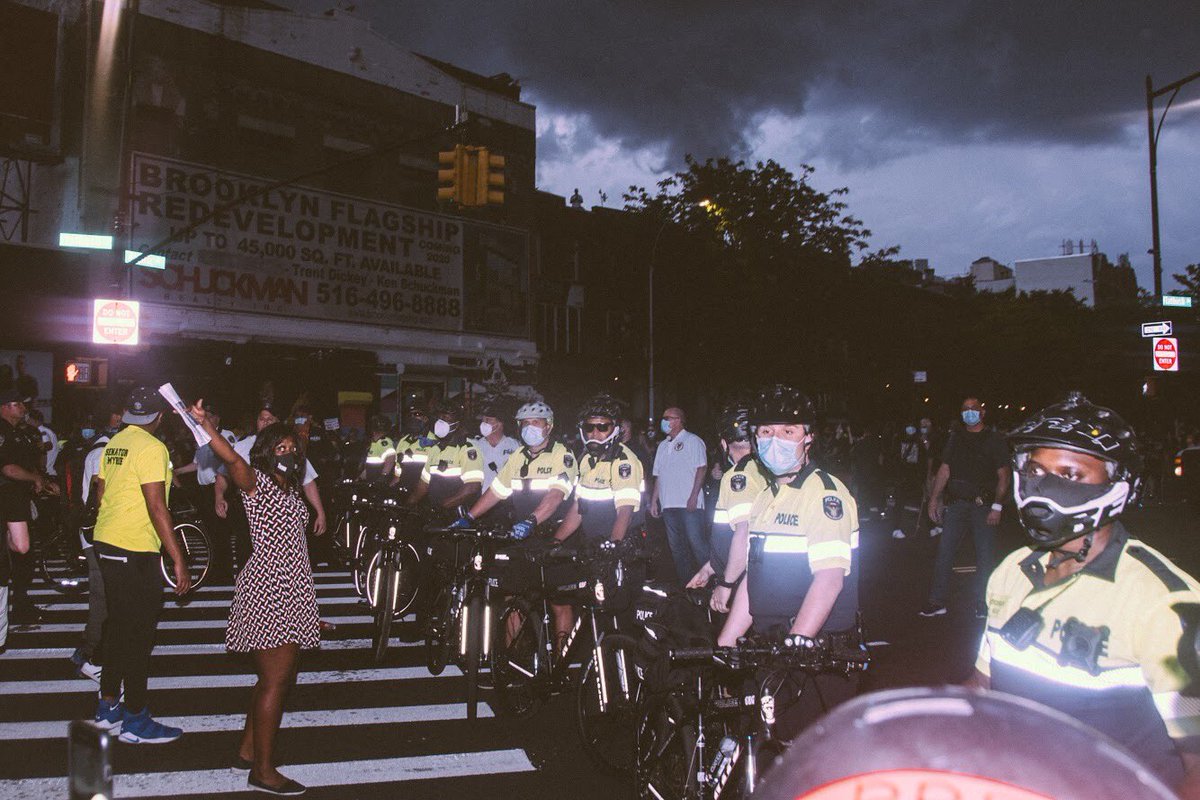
pixel 391 533
pixel 598 589
pixel 477 562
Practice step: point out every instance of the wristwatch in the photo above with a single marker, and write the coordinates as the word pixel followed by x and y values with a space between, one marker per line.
pixel 727 584
pixel 997 507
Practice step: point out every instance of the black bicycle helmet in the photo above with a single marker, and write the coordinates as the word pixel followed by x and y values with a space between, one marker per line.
pixel 734 424
pixel 781 404
pixel 1055 510
pixel 602 405
pixel 450 407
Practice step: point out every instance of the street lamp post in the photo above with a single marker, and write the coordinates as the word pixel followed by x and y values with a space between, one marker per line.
pixel 650 323
pixel 1154 131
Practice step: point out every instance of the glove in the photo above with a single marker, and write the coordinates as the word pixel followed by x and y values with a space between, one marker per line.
pixel 462 522
pixel 522 529
pixel 795 641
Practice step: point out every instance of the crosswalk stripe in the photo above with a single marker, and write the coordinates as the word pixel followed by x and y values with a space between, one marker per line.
pixel 211 648
pixel 9 688
pixel 171 624
pixel 205 588
pixel 344 773
pixel 325 601
pixel 388 715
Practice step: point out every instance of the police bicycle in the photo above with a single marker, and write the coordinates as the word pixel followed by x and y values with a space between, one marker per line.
pixel 528 667
pixel 707 739
pixel 458 624
pixel 63 565
pixel 388 565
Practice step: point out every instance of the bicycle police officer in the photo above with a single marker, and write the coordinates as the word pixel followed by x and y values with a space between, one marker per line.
pixel 802 570
pixel 536 479
pixel 381 452
pixel 742 481
pixel 453 472
pixel 1088 619
pixel 412 448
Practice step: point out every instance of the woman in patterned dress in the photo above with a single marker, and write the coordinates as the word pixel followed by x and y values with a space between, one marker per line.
pixel 274 612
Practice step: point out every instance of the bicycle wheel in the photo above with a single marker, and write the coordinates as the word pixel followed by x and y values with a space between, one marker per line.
pixel 606 704
pixel 197 552
pixel 360 557
pixel 383 603
pixel 62 564
pixel 519 659
pixel 472 623
pixel 438 630
pixel 667 756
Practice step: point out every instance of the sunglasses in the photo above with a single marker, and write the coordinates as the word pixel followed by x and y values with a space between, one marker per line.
pixel 588 427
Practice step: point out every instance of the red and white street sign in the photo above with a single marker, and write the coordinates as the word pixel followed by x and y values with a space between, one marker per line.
pixel 115 322
pixel 1166 354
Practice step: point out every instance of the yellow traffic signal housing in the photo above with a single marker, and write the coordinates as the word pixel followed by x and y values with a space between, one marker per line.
pixel 451 173
pixel 489 177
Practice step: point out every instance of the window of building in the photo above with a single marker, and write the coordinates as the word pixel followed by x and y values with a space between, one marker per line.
pixel 559 329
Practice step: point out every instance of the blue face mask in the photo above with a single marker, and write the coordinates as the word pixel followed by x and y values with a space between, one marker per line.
pixel 88 433
pixel 665 426
pixel 532 435
pixel 971 417
pixel 910 430
pixel 779 455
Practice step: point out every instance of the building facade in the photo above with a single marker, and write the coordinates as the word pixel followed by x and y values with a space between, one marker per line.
pixel 285 167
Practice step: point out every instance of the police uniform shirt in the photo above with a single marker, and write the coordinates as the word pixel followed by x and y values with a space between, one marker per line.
pixel 208 465
pixel 606 485
pixel 379 451
pixel 132 459
pixel 449 467
pixel 19 445
pixel 797 529
pixel 1108 651
pixel 740 486
pixel 411 454
pixel 525 478
pixel 494 457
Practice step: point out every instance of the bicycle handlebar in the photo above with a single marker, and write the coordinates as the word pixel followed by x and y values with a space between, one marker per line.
pixel 826 653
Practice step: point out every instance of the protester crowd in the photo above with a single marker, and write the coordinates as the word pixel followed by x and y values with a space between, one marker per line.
pixel 264 485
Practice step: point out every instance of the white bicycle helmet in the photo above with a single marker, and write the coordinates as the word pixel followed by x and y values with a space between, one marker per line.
pixel 536 410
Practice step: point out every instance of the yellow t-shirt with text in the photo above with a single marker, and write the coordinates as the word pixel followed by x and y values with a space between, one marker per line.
pixel 132 458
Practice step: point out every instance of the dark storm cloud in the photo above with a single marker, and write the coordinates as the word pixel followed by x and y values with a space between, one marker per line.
pixel 694 75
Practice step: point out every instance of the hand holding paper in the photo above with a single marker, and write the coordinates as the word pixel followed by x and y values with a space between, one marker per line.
pixel 172 397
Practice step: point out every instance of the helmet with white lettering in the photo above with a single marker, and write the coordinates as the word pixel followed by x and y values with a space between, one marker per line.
pixel 1053 509
pixel 955 742
pixel 781 404
pixel 536 410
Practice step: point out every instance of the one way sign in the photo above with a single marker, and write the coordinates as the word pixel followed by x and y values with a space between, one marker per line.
pixel 1150 329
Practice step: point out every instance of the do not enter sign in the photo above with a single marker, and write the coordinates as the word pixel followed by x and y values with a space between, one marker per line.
pixel 115 322
pixel 1166 354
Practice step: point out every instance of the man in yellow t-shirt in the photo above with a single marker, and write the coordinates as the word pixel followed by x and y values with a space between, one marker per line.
pixel 132 526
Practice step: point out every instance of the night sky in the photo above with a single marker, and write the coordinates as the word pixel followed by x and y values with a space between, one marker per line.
pixel 961 128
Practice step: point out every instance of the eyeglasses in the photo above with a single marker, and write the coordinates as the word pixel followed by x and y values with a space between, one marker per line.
pixel 588 427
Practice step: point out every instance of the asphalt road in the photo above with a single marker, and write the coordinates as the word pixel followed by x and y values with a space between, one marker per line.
pixel 355 729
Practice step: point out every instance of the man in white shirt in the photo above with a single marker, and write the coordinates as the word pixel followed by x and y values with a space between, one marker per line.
pixel 679 468
pixel 494 446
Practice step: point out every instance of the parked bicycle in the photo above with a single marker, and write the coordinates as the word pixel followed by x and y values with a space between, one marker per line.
pixel 708 738
pixel 527 666
pixel 388 564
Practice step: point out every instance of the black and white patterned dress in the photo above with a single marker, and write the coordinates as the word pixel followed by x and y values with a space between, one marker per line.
pixel 274 602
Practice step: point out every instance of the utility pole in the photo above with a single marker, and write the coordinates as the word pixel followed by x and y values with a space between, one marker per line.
pixel 1153 131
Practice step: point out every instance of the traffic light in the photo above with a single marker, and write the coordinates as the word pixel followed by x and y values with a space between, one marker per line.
pixel 489 176
pixel 452 167
pixel 78 372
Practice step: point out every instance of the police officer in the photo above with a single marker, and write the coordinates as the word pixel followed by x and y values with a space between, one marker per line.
pixel 380 462
pixel 608 497
pixel 1088 619
pixel 412 448
pixel 494 446
pixel 22 475
pixel 536 479
pixel 453 473
pixel 802 571
pixel 742 481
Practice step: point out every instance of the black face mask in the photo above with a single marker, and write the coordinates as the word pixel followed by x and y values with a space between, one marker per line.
pixel 1055 510
pixel 414 425
pixel 286 464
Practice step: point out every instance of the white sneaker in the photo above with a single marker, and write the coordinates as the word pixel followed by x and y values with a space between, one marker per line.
pixel 89 670
pixel 935 531
pixel 898 534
